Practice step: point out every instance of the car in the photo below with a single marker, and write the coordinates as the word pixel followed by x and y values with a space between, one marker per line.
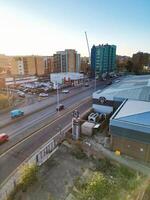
pixel 16 113
pixel 60 107
pixel 116 81
pixel 109 83
pixel 65 91
pixel 43 95
pixel 3 137
pixel 21 94
pixel 26 90
pixel 86 85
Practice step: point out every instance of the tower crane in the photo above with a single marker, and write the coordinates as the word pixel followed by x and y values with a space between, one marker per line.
pixel 90 57
pixel 88 47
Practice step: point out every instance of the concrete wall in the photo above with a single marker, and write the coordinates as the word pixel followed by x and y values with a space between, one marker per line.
pixel 38 158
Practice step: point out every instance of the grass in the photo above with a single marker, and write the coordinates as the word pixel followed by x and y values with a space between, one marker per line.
pixel 79 154
pixel 109 182
pixel 147 193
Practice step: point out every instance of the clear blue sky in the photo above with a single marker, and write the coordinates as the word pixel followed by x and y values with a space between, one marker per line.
pixel 45 26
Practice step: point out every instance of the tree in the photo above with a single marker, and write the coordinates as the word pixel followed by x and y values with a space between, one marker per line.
pixel 129 66
pixel 1 69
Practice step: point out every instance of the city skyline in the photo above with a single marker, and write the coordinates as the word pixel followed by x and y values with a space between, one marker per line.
pixel 42 28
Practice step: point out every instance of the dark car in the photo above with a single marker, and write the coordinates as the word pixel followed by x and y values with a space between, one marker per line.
pixel 86 85
pixel 109 83
pixel 60 107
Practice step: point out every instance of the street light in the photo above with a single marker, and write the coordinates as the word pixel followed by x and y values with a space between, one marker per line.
pixel 57 98
pixel 95 80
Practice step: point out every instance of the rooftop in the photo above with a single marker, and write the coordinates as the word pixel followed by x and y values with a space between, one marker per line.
pixel 130 87
pixel 135 112
pixel 132 120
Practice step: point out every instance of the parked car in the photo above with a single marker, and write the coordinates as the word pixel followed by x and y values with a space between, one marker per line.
pixel 86 85
pixel 3 137
pixel 65 91
pixel 26 90
pixel 60 107
pixel 109 83
pixel 21 94
pixel 16 113
pixel 43 95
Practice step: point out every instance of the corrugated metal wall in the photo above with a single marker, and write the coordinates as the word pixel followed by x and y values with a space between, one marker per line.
pixel 132 148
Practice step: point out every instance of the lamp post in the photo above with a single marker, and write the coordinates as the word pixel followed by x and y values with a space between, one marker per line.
pixel 57 97
pixel 95 80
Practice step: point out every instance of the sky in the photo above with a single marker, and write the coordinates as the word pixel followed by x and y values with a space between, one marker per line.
pixel 42 27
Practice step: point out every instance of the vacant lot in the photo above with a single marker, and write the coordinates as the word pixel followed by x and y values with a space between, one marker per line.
pixel 69 175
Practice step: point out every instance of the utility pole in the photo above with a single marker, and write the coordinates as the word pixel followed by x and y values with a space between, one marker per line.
pixel 95 80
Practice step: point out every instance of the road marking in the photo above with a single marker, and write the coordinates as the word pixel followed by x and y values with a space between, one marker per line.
pixel 45 126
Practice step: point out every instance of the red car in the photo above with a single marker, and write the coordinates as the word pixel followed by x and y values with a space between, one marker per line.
pixel 3 137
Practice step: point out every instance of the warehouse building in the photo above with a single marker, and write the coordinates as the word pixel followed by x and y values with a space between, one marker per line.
pixel 131 87
pixel 130 129
pixel 128 101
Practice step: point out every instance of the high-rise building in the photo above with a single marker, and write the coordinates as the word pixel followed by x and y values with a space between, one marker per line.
pixel 49 64
pixel 28 65
pixel 85 67
pixel 67 61
pixel 103 59
pixel 5 64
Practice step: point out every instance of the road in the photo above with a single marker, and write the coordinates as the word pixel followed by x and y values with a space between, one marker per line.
pixel 51 100
pixel 11 159
pixel 24 123
pixel 13 154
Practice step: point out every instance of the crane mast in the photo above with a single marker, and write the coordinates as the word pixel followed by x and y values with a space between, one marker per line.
pixel 90 58
pixel 88 47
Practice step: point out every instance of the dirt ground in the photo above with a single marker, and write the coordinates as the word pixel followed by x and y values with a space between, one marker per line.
pixel 56 176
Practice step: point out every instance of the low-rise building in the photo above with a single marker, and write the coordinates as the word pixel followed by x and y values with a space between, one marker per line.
pixel 130 129
pixel 131 87
pixel 67 78
pixel 16 80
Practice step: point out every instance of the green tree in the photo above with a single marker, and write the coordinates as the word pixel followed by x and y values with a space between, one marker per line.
pixel 129 66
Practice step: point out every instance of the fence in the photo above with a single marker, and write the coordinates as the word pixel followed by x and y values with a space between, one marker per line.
pixel 38 157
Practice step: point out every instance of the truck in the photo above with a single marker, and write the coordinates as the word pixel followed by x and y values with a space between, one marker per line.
pixel 16 113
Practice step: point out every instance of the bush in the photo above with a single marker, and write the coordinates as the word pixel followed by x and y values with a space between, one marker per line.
pixel 29 176
pixel 79 154
pixel 3 101
pixel 109 182
pixel 98 187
